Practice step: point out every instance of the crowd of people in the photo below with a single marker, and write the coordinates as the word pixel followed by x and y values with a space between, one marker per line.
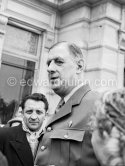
pixel 86 129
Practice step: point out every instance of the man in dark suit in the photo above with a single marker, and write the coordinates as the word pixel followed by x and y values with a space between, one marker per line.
pixel 19 144
pixel 67 139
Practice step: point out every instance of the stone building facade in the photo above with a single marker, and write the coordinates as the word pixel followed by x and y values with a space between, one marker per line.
pixel 28 28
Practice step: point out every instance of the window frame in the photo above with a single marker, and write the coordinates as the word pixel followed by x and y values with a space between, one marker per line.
pixel 27 56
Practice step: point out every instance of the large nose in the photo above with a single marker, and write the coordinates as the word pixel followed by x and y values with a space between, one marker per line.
pixel 51 67
pixel 33 116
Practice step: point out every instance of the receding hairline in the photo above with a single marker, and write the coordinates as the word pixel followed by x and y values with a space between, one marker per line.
pixel 62 43
pixel 71 47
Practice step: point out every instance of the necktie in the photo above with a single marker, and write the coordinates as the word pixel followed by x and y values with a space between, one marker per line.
pixel 60 104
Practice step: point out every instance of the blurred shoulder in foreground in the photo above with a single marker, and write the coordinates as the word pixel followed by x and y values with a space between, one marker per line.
pixel 109 137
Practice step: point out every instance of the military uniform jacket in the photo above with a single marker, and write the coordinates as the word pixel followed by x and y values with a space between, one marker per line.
pixel 14 145
pixel 67 141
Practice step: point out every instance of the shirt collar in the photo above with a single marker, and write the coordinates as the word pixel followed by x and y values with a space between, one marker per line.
pixel 66 98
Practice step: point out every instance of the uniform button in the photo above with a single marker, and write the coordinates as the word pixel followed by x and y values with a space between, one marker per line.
pixel 49 129
pixel 66 136
pixel 43 148
pixel 70 123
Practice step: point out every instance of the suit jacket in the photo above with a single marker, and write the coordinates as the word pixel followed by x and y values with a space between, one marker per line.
pixel 14 145
pixel 67 141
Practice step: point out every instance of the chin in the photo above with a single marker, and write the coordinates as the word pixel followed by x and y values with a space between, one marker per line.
pixel 33 128
pixel 55 88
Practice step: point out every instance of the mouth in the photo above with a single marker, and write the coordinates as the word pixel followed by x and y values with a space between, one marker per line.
pixel 33 123
pixel 53 79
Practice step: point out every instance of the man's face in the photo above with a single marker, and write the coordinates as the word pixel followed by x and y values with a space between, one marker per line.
pixel 61 70
pixel 33 114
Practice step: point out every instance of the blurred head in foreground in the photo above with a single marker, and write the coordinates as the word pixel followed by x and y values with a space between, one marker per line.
pixel 109 138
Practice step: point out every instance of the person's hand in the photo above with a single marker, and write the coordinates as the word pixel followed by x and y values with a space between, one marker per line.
pixel 3 160
pixel 106 147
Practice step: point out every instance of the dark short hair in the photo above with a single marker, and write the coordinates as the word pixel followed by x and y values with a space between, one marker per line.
pixel 36 97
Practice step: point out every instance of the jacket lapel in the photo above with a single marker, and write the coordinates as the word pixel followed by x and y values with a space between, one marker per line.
pixel 22 148
pixel 74 100
pixel 65 110
pixel 79 94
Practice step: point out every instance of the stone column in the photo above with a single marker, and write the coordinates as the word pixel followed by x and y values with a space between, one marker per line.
pixel 103 48
pixel 3 23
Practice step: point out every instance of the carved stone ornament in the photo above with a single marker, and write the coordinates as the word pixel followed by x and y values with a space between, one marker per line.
pixel 3 23
pixel 121 40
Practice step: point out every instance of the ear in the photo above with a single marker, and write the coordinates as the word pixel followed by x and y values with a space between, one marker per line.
pixel 80 66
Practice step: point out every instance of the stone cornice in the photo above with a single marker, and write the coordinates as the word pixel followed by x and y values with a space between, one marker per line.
pixel 63 5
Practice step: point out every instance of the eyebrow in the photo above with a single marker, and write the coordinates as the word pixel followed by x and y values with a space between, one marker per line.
pixel 29 110
pixel 56 58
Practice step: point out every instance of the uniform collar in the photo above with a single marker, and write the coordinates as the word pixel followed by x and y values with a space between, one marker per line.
pixel 66 98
